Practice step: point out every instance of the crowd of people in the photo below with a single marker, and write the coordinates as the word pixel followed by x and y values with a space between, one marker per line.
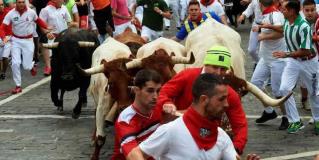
pixel 283 44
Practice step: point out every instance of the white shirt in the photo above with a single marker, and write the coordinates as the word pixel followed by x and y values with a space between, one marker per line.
pixel 267 47
pixel 57 18
pixel 22 25
pixel 254 8
pixel 215 6
pixel 173 141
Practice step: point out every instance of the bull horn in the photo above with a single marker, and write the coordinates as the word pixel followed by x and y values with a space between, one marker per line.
pixel 264 98
pixel 86 44
pixel 50 45
pixel 184 60
pixel 92 70
pixel 135 63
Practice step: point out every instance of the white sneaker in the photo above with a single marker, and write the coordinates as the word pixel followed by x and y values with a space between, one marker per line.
pixel 311 121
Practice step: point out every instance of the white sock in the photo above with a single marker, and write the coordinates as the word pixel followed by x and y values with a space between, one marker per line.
pixel 269 109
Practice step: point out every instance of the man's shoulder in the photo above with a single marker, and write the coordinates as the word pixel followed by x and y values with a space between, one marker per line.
pixel 127 115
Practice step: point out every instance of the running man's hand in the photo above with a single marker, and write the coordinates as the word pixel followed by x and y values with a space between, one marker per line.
pixel 169 108
pixel 279 54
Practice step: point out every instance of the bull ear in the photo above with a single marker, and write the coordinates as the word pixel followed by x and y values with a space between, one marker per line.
pixel 172 54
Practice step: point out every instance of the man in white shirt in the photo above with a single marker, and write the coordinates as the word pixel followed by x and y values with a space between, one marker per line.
pixel 196 134
pixel 58 18
pixel 215 6
pixel 268 67
pixel 23 21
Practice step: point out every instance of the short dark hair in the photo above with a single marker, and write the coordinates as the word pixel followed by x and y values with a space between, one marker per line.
pixel 266 3
pixel 205 85
pixel 293 4
pixel 308 2
pixel 193 2
pixel 146 75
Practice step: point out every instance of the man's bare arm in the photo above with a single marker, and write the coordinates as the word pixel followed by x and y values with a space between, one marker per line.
pixel 136 154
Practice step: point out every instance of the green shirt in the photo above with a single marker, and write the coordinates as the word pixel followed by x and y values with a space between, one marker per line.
pixel 298 34
pixel 152 19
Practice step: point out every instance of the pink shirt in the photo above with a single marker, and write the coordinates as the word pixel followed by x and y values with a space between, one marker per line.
pixel 120 7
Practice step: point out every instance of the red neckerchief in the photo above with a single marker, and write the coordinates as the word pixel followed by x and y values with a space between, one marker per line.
pixel 53 4
pixel 22 10
pixel 270 9
pixel 206 3
pixel 203 131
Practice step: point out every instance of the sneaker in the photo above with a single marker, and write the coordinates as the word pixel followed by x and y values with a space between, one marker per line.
pixel 295 127
pixel 266 117
pixel 2 76
pixel 317 128
pixel 33 71
pixel 47 71
pixel 311 121
pixel 305 105
pixel 284 123
pixel 16 90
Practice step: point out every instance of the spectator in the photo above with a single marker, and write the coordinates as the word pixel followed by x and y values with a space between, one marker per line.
pixel 215 6
pixel 121 16
pixel 153 13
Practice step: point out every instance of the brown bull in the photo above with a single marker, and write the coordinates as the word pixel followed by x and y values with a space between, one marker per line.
pixel 131 39
pixel 161 62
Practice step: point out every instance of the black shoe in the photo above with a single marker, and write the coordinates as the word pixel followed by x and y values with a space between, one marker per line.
pixel 2 76
pixel 266 117
pixel 284 123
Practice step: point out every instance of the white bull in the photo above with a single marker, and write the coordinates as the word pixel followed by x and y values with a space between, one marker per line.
pixel 170 46
pixel 106 75
pixel 212 33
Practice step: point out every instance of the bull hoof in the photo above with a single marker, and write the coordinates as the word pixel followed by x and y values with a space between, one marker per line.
pixel 92 143
pixel 108 124
pixel 94 158
pixel 75 115
pixel 60 108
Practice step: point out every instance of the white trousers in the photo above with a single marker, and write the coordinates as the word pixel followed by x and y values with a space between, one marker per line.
pixel 121 28
pixel 22 53
pixel 5 49
pixel 307 72
pixel 150 34
pixel 175 6
pixel 253 45
pixel 264 71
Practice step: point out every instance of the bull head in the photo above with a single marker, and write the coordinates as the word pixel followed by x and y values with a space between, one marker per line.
pixel 137 63
pixel 56 44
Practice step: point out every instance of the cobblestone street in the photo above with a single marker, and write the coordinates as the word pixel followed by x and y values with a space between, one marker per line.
pixel 32 129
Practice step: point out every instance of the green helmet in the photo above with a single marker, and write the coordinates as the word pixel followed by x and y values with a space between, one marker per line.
pixel 218 56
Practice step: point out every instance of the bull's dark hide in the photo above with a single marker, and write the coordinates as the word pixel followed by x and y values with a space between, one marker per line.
pixel 65 75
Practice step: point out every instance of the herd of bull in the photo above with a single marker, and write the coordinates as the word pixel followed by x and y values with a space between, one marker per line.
pixel 107 70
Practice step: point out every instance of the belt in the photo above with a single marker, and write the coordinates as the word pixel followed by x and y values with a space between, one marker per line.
pixel 23 37
pixel 305 58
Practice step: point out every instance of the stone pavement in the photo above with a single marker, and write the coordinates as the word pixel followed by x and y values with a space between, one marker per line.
pixel 63 138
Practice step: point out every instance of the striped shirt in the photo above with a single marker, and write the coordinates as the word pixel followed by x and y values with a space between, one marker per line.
pixel 298 34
